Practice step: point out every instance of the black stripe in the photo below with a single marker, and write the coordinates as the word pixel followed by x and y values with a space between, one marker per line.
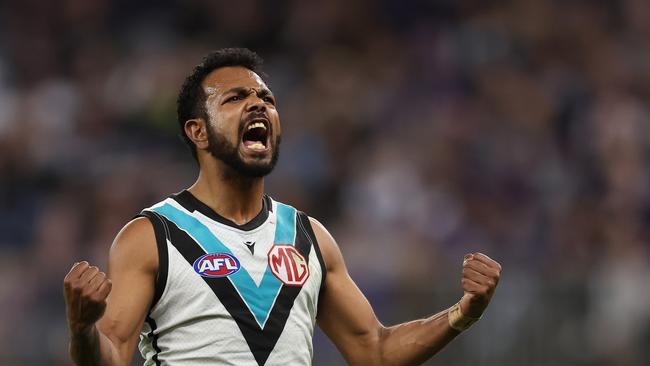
pixel 260 341
pixel 305 225
pixel 154 339
pixel 162 233
pixel 186 199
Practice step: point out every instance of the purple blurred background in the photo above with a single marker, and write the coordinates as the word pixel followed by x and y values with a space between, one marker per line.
pixel 416 131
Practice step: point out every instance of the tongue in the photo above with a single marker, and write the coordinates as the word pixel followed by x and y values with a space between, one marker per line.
pixel 253 143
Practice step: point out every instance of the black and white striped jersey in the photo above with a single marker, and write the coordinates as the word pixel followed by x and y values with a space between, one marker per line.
pixel 228 294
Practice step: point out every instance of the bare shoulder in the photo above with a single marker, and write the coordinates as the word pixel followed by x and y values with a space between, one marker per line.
pixel 328 246
pixel 132 268
pixel 135 244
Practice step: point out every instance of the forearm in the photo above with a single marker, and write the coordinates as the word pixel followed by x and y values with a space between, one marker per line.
pixel 414 342
pixel 91 348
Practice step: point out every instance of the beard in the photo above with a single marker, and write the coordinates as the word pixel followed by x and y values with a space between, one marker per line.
pixel 225 151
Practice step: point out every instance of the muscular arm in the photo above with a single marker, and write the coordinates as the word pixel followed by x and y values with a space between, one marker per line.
pixel 349 321
pixel 104 330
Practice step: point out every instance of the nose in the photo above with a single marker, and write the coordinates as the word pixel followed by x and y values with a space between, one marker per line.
pixel 256 104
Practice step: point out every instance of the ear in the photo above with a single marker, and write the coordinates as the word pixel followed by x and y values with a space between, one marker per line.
pixel 196 130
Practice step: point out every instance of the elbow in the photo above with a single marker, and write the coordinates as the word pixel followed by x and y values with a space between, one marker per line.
pixel 393 348
pixel 384 351
pixel 368 350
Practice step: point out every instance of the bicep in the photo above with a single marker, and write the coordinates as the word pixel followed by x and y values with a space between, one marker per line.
pixel 132 269
pixel 344 314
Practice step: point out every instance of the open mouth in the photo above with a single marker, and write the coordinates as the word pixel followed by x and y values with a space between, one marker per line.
pixel 256 135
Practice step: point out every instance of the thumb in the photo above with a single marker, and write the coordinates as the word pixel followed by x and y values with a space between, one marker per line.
pixel 470 307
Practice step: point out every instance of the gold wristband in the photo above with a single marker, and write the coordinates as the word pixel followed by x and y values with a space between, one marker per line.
pixel 459 321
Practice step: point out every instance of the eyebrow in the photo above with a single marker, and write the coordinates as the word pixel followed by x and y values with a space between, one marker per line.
pixel 242 90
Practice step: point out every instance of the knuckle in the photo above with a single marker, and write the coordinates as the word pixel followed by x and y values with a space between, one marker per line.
pixel 99 297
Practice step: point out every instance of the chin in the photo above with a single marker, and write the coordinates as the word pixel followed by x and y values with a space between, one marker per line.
pixel 256 171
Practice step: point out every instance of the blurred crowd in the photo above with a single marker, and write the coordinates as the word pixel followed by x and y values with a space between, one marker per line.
pixel 416 131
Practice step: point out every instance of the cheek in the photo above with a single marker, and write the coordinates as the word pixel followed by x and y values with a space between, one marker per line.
pixel 224 123
pixel 276 123
pixel 222 116
pixel 216 120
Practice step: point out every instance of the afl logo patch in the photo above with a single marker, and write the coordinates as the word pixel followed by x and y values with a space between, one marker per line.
pixel 215 265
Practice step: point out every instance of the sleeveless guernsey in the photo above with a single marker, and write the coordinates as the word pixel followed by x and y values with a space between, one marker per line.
pixel 228 294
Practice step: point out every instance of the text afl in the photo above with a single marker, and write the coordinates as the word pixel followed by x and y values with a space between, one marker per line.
pixel 216 265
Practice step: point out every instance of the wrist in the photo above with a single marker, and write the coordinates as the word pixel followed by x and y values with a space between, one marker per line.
pixel 81 330
pixel 472 306
pixel 458 320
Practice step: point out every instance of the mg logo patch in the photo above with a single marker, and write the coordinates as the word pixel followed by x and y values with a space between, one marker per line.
pixel 288 265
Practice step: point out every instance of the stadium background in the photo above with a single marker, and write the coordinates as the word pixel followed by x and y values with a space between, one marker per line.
pixel 415 130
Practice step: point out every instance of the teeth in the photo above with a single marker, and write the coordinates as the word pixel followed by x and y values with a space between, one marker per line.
pixel 256 145
pixel 256 125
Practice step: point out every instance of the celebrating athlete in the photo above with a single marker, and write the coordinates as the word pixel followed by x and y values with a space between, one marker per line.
pixel 222 274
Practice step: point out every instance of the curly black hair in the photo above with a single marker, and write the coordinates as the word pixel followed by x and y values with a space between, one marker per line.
pixel 191 98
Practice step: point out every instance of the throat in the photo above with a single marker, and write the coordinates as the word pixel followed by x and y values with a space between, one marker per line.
pixel 231 195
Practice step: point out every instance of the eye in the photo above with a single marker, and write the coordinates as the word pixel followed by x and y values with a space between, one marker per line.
pixel 269 99
pixel 234 98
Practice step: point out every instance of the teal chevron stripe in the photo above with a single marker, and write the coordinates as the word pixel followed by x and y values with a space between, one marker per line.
pixel 285 229
pixel 259 299
pixel 285 233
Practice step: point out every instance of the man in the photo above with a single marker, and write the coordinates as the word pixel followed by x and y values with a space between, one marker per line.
pixel 221 274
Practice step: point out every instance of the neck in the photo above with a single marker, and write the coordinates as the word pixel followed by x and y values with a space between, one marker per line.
pixel 228 193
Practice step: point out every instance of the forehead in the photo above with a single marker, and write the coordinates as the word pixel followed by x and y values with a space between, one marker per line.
pixel 225 78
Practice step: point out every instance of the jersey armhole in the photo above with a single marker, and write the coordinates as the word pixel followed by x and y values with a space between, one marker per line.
pixel 162 233
pixel 306 224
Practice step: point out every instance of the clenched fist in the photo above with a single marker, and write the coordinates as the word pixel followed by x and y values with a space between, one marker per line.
pixel 480 278
pixel 85 291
